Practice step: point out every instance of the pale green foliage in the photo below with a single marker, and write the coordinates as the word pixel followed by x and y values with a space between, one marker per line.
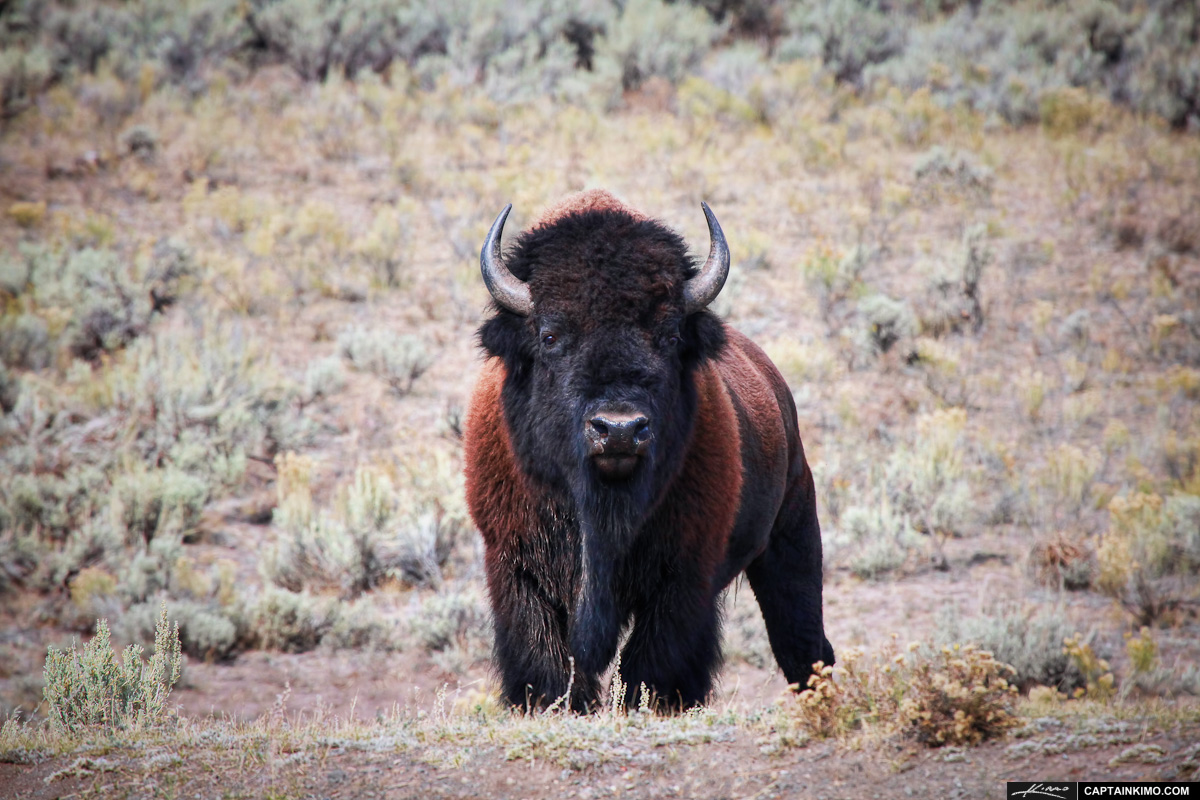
pixel 455 625
pixel 203 397
pixel 1150 556
pixel 1030 639
pixel 127 454
pixel 323 554
pixel 371 533
pixel 323 378
pixel 1006 57
pixel 519 52
pixel 921 488
pixel 847 35
pixel 880 538
pixel 290 621
pixel 1001 58
pixel 147 502
pixel 183 36
pixel 23 75
pixel 111 299
pixel 206 630
pixel 359 624
pixel 397 359
pixel 296 622
pixel 93 688
pixel 315 35
pixel 953 297
pixel 885 321
pixel 941 174
pixel 927 480
pixel 654 38
pixel 1167 78
pixel 382 245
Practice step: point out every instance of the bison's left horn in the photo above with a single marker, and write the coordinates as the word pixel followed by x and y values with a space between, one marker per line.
pixel 701 290
pixel 507 289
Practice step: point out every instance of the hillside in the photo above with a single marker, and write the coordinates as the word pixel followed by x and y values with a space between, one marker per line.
pixel 240 288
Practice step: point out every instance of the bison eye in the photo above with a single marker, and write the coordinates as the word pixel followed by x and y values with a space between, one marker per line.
pixel 673 340
pixel 548 339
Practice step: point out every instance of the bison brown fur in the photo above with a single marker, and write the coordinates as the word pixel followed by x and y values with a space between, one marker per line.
pixel 627 456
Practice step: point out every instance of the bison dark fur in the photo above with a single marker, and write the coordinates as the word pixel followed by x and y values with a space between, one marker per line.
pixel 605 366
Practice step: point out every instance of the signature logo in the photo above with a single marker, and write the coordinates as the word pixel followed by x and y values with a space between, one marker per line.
pixel 1042 790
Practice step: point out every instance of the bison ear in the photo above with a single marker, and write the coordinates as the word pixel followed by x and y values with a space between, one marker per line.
pixel 705 336
pixel 504 335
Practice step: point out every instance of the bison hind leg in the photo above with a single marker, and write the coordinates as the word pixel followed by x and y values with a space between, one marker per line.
pixel 787 582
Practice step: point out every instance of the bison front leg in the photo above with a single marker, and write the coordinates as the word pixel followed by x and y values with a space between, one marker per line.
pixel 674 648
pixel 531 645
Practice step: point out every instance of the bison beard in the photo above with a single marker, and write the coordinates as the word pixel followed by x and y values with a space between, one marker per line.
pixel 627 456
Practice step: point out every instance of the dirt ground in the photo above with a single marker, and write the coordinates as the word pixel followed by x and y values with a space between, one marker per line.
pixel 734 767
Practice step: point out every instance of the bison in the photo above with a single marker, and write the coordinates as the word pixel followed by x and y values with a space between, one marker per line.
pixel 627 455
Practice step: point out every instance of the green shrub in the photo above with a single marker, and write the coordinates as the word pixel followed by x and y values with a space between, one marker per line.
pixel 371 534
pixel 847 35
pixel 92 688
pixel 110 300
pixel 312 36
pixel 180 39
pixel 397 359
pixel 953 298
pixel 878 538
pixel 1150 556
pixel 1165 58
pixel 20 555
pixel 147 570
pixel 24 73
pixel 884 322
pixel 927 480
pixel 455 626
pixel 290 621
pixel 653 38
pixel 517 51
pixel 207 630
pixel 950 175
pixel 359 625
pixel 25 343
pixel 147 502
pixel 111 466
pixel 1028 638
pixel 323 378
pixel 920 488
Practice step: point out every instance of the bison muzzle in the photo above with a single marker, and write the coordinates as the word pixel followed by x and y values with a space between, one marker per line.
pixel 627 456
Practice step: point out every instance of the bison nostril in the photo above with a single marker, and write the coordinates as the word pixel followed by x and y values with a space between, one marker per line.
pixel 617 433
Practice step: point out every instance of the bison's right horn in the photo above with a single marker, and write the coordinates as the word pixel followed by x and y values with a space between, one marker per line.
pixel 507 289
pixel 701 290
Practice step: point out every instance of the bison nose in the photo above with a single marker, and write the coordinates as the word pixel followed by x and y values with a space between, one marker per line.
pixel 618 434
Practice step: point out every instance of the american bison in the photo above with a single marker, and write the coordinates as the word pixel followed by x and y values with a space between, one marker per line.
pixel 627 456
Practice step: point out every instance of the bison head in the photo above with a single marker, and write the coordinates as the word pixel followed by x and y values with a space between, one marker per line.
pixel 601 321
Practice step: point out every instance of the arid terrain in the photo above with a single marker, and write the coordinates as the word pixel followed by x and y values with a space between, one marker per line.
pixel 239 288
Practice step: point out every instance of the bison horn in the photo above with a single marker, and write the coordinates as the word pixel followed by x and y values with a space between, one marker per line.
pixel 701 290
pixel 507 289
